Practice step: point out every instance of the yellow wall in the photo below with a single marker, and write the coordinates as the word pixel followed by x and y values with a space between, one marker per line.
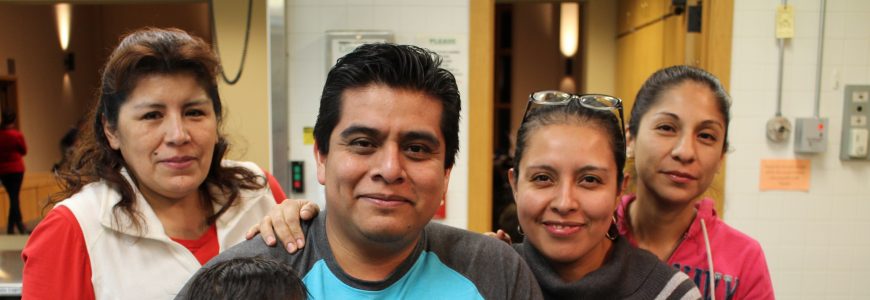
pixel 599 26
pixel 246 103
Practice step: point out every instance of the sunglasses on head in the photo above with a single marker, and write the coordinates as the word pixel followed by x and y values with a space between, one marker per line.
pixel 592 101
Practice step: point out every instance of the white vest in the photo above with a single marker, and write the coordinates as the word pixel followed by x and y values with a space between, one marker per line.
pixel 150 265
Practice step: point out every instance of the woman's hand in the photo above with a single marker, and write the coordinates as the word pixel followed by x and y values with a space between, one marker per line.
pixel 500 234
pixel 285 220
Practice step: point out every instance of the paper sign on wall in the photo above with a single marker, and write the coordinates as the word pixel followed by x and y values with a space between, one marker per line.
pixel 453 49
pixel 784 22
pixel 308 135
pixel 785 175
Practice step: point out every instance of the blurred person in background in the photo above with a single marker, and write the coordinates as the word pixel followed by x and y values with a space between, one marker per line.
pixel 12 151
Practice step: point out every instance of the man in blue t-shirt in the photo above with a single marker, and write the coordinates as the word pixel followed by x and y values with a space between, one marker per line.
pixel 386 139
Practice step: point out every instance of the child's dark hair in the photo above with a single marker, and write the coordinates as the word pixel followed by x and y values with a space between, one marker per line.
pixel 247 278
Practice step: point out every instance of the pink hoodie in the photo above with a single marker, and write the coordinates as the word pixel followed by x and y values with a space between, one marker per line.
pixel 738 261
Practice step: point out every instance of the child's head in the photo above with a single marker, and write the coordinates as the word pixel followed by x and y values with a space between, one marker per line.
pixel 247 278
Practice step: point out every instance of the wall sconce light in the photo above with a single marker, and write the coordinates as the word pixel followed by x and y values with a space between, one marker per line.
pixel 569 28
pixel 569 33
pixel 63 17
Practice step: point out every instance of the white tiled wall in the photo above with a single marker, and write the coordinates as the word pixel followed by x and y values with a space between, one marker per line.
pixel 818 242
pixel 308 21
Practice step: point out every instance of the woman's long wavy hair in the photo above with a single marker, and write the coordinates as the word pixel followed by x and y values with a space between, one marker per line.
pixel 149 51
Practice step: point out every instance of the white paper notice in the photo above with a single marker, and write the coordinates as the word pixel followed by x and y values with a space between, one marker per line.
pixel 453 49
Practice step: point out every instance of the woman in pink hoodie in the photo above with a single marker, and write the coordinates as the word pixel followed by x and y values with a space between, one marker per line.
pixel 678 135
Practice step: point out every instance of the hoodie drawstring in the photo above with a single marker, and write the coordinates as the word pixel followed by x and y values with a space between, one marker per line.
pixel 709 261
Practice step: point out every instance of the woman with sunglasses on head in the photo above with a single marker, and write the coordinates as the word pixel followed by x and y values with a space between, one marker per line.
pixel 566 180
pixel 678 136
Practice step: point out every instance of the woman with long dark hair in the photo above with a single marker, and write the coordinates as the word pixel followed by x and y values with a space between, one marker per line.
pixel 148 195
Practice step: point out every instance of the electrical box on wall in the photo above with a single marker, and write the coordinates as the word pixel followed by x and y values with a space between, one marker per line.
pixel 297 176
pixel 811 135
pixel 856 113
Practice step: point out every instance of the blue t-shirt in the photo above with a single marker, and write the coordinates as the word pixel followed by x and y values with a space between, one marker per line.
pixel 439 280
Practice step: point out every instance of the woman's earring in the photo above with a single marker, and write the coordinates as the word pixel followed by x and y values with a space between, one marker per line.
pixel 520 230
pixel 612 232
pixel 629 153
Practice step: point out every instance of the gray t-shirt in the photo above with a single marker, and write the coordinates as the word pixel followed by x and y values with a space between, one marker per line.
pixel 446 263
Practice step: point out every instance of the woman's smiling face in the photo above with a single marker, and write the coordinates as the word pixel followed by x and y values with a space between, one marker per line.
pixel 566 190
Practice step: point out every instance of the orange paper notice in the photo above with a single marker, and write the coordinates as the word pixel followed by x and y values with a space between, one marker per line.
pixel 785 174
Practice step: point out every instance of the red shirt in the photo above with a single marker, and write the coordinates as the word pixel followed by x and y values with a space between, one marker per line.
pixel 12 151
pixel 203 248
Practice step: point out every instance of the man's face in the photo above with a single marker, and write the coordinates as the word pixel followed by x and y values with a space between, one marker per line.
pixel 384 173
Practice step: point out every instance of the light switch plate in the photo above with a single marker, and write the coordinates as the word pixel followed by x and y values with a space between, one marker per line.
pixel 858 142
pixel 856 113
